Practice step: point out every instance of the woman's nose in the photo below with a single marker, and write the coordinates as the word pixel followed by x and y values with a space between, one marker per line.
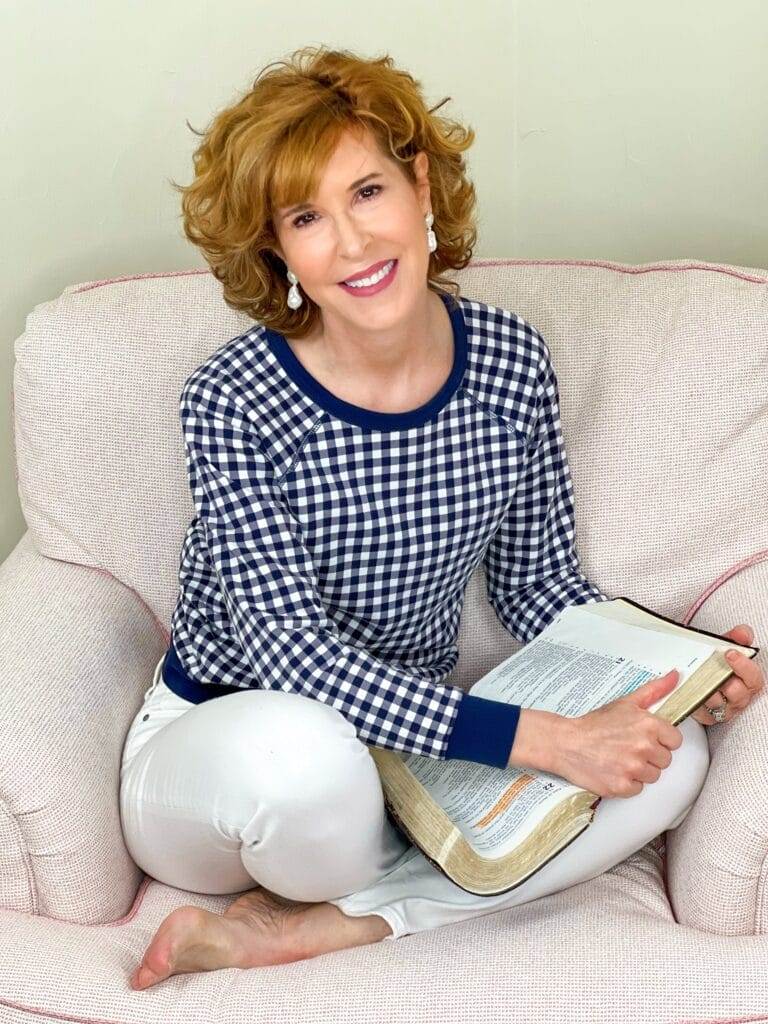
pixel 352 239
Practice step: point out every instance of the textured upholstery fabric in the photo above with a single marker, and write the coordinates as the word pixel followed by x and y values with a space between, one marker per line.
pixel 663 373
pixel 607 951
pixel 717 864
pixel 77 651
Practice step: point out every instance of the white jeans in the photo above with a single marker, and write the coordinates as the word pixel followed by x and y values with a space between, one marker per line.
pixel 275 789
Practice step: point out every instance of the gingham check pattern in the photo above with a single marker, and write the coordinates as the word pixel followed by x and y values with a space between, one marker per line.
pixel 330 559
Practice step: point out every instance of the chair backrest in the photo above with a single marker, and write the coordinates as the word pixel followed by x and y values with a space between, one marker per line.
pixel 663 376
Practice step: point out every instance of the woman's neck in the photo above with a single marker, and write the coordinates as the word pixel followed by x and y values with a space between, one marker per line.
pixel 383 360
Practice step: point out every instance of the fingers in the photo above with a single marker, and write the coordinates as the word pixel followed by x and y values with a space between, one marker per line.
pixel 748 670
pixel 671 737
pixel 651 772
pixel 737 693
pixel 742 687
pixel 662 759
pixel 718 701
pixel 703 717
pixel 742 634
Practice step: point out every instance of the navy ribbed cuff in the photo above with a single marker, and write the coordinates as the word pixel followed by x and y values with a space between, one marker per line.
pixel 484 731
pixel 177 680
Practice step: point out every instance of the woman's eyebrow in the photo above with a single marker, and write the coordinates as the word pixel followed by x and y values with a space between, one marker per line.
pixel 354 185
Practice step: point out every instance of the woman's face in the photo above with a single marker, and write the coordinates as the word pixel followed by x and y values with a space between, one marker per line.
pixel 347 229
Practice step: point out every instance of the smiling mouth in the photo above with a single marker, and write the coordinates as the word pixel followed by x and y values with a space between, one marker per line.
pixel 383 271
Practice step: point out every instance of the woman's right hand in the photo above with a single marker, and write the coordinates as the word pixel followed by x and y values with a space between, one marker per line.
pixel 615 749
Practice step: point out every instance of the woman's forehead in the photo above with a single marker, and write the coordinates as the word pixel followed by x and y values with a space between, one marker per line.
pixel 349 164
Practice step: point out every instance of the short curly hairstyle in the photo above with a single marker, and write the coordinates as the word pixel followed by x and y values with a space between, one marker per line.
pixel 268 150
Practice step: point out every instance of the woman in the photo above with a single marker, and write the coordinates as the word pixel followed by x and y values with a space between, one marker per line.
pixel 352 457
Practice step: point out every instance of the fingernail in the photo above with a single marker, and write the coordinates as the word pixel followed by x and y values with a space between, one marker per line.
pixel 731 655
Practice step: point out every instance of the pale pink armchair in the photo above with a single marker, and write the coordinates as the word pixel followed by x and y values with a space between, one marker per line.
pixel 663 374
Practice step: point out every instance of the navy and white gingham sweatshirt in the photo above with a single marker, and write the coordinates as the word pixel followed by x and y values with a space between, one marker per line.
pixel 332 545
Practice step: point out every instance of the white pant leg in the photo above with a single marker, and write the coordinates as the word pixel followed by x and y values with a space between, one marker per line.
pixel 416 896
pixel 255 787
pixel 275 789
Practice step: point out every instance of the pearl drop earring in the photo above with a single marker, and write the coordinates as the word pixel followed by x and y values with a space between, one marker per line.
pixel 294 296
pixel 431 238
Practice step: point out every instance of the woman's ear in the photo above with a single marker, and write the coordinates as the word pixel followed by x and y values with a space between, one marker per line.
pixel 421 170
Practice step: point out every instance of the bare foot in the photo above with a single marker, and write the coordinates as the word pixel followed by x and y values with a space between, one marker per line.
pixel 258 929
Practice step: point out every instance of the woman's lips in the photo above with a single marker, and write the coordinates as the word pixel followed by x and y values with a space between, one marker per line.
pixel 372 289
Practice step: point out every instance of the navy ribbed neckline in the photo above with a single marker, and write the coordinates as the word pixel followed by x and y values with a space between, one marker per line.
pixel 356 414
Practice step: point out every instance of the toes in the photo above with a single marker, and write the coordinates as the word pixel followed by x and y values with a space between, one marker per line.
pixel 143 978
pixel 144 975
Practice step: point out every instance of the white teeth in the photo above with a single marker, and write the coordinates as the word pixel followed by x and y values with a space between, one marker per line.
pixel 366 282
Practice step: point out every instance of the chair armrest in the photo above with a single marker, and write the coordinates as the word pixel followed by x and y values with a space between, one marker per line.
pixel 717 857
pixel 77 651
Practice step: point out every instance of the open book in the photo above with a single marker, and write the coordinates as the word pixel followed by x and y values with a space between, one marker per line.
pixel 489 829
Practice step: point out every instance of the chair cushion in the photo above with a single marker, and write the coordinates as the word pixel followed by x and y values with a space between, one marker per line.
pixel 605 950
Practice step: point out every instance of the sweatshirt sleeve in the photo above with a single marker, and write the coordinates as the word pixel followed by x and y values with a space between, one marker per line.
pixel 531 565
pixel 270 590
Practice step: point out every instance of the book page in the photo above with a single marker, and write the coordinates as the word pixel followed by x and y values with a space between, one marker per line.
pixel 582 661
pixel 493 808
pixel 578 663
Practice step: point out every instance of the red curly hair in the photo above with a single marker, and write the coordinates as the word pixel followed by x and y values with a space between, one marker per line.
pixel 269 149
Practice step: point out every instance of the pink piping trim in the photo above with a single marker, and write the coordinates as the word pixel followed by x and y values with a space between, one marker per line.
pixel 51 1015
pixel 721 1020
pixel 138 277
pixel 623 268
pixel 164 633
pixel 103 1020
pixel 745 563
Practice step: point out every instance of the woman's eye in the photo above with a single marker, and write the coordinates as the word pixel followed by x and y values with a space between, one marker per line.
pixel 300 222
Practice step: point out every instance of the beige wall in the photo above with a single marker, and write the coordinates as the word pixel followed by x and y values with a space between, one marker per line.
pixel 605 129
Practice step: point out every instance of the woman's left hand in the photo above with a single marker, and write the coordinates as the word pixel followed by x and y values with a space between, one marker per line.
pixel 741 690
